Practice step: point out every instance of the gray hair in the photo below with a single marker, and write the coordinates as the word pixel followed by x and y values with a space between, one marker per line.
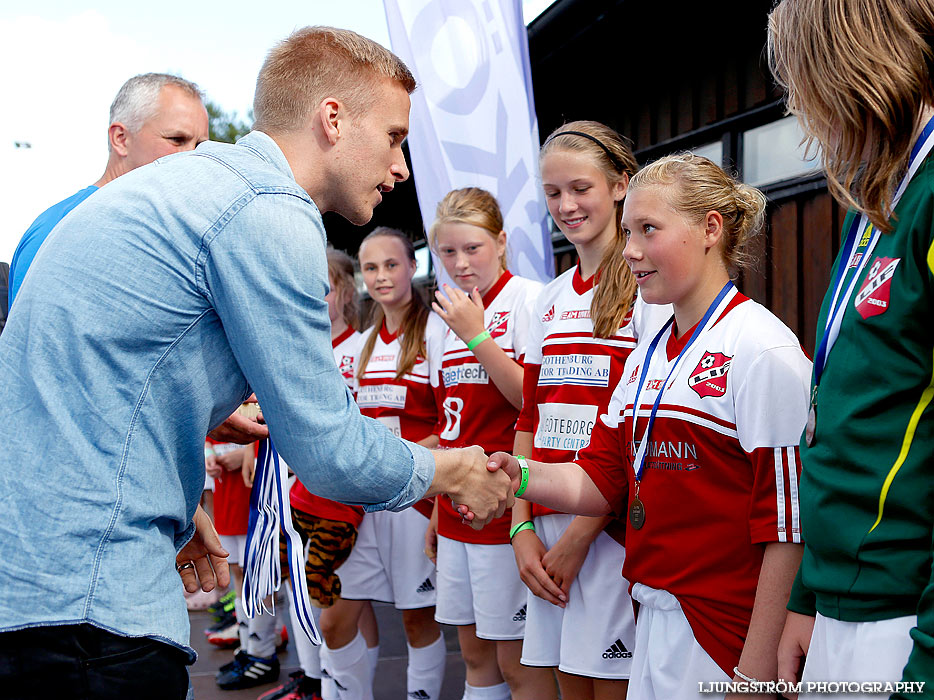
pixel 138 98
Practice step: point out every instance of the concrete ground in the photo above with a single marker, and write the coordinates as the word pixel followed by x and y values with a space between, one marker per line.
pixel 389 683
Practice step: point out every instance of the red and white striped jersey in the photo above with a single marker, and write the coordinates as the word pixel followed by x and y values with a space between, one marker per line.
pixel 406 406
pixel 475 412
pixel 721 468
pixel 346 347
pixel 570 374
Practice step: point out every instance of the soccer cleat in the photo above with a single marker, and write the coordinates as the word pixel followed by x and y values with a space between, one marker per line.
pixel 223 606
pixel 226 638
pixel 223 623
pixel 248 672
pixel 298 687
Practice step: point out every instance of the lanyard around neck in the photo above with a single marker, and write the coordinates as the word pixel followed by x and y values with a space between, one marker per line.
pixel 639 462
pixel 854 242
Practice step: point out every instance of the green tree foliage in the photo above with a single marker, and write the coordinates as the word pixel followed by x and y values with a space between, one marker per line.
pixel 225 126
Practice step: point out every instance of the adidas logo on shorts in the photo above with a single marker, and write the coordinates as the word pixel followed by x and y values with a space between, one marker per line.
pixel 426 587
pixel 519 616
pixel 419 695
pixel 617 651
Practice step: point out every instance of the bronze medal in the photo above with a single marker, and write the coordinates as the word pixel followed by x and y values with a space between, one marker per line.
pixel 637 513
pixel 811 426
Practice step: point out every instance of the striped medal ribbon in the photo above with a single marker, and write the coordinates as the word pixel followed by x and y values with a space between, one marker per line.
pixel 269 510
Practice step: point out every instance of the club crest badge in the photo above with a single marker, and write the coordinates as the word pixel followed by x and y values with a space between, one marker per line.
pixel 710 375
pixel 498 324
pixel 346 366
pixel 873 297
pixel 550 316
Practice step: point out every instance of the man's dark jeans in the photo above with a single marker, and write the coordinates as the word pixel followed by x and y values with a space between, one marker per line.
pixel 83 661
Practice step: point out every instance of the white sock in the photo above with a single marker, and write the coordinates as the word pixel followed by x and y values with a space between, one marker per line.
pixel 328 689
pixel 262 639
pixel 242 620
pixel 372 656
pixel 309 656
pixel 492 692
pixel 426 670
pixel 350 669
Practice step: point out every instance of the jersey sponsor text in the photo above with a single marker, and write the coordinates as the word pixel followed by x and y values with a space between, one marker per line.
pixel 564 426
pixel 582 370
pixel 381 395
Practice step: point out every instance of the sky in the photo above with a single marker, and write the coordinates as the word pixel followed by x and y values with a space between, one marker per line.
pixel 64 61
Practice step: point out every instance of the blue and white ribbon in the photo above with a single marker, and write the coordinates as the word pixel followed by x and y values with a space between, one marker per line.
pixel 262 575
pixel 714 311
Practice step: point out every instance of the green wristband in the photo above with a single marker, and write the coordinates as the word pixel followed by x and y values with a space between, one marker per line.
pixel 524 481
pixel 479 338
pixel 516 529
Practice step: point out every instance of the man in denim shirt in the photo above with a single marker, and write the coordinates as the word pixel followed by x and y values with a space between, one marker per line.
pixel 157 307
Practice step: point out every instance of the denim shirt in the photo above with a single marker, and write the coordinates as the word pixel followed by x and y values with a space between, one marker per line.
pixel 146 318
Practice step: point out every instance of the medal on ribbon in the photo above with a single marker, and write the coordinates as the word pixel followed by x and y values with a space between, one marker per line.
pixel 637 507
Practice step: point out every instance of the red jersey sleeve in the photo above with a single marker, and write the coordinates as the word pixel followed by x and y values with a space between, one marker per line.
pixel 773 506
pixel 605 463
pixel 528 417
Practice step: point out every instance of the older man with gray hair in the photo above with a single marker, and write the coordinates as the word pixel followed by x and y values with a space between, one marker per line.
pixel 153 115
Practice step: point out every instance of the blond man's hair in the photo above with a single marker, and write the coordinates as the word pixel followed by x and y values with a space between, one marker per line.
pixel 857 74
pixel 318 62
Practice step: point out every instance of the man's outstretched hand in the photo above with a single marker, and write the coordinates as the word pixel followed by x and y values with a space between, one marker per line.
pixel 482 494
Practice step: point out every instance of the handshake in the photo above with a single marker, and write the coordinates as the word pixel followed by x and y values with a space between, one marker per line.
pixel 481 486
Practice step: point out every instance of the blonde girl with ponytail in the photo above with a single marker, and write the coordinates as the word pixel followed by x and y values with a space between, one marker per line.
pixel 698 448
pixel 586 322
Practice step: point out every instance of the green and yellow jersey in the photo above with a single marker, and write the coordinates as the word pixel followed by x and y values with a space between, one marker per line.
pixel 867 486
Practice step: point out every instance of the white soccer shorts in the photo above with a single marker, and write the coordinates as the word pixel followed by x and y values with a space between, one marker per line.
pixel 479 584
pixel 594 635
pixel 388 561
pixel 667 661
pixel 857 652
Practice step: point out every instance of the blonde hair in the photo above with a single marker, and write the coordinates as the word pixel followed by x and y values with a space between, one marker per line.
pixel 615 292
pixel 470 205
pixel 694 186
pixel 340 274
pixel 412 331
pixel 318 62
pixel 857 74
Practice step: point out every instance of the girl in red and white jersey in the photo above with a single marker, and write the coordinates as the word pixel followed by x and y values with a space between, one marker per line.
pixel 579 339
pixel 476 361
pixel 387 562
pixel 707 475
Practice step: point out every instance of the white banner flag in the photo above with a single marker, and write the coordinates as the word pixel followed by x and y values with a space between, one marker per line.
pixel 473 115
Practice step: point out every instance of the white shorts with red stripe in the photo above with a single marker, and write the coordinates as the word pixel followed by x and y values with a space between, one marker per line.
pixel 668 662
pixel 594 635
